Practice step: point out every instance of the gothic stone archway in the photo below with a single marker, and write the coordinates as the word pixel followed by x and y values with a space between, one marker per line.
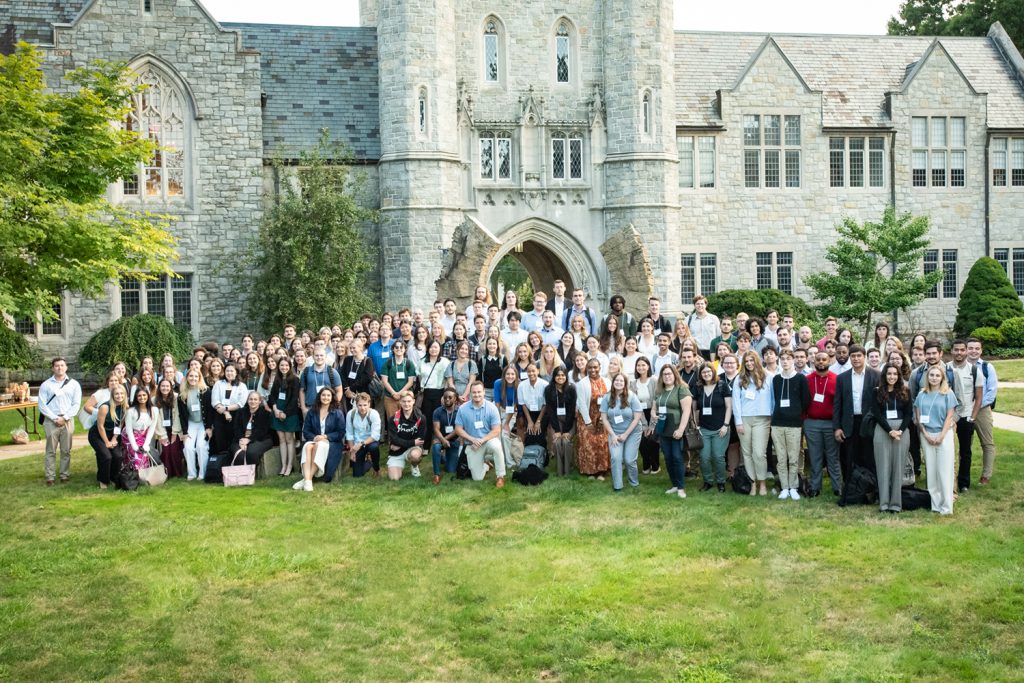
pixel 548 253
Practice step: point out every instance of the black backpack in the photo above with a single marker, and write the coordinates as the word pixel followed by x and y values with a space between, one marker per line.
pixel 741 482
pixel 213 468
pixel 462 470
pixel 915 499
pixel 861 489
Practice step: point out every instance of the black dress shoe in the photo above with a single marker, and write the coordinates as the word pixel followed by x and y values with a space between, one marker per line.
pixel 721 488
pixel 705 487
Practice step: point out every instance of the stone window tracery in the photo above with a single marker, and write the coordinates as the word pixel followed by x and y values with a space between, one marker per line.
pixel 495 155
pixel 567 156
pixel 158 114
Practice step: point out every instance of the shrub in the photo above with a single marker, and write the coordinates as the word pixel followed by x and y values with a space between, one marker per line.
pixel 757 302
pixel 987 299
pixel 991 338
pixel 130 339
pixel 1012 330
pixel 15 352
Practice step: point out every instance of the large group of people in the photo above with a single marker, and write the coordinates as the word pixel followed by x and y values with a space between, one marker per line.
pixel 604 395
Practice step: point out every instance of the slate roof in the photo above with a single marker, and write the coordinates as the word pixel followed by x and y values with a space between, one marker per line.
pixel 317 77
pixel 852 72
pixel 30 20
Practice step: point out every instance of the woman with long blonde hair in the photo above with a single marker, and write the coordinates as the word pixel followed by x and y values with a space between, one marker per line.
pixel 752 408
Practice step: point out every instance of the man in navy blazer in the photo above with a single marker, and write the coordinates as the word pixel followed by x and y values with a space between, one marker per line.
pixel 855 389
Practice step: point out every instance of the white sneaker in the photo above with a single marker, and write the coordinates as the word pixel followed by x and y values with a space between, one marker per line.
pixel 681 493
pixel 784 495
pixel 415 470
pixel 794 495
pixel 647 471
pixel 307 485
pixel 672 490
pixel 299 484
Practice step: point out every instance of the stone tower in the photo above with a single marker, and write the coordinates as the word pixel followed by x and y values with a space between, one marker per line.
pixel 641 165
pixel 419 165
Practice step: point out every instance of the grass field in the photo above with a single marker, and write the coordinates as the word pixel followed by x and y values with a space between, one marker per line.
pixel 1011 401
pixel 366 580
pixel 1010 370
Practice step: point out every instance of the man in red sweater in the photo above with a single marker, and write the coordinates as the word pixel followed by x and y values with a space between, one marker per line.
pixel 821 440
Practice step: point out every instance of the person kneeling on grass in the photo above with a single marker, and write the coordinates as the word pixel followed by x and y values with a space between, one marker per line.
pixel 323 433
pixel 407 430
pixel 479 426
pixel 363 436
pixel 446 445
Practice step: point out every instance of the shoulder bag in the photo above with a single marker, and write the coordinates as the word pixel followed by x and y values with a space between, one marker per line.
pixel 239 475
pixel 154 475
pixel 692 437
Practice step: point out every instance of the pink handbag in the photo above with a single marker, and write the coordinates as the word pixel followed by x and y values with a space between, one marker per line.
pixel 239 475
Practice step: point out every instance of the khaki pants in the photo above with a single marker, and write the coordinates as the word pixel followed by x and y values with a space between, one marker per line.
pixel 754 446
pixel 57 437
pixel 787 451
pixel 983 426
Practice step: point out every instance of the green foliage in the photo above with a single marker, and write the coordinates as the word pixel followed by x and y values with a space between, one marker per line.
pixel 1012 330
pixel 876 267
pixel 511 274
pixel 758 302
pixel 310 260
pixel 132 338
pixel 987 299
pixel 958 18
pixel 58 153
pixel 991 338
pixel 15 352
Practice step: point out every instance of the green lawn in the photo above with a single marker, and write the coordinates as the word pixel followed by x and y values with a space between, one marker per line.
pixel 1010 370
pixel 368 580
pixel 10 419
pixel 1011 401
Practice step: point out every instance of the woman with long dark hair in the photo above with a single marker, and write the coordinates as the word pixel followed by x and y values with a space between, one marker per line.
pixel 893 412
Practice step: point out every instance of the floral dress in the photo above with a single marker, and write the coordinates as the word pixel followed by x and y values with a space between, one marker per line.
pixel 592 456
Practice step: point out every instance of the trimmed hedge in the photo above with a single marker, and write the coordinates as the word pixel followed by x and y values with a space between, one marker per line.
pixel 15 352
pixel 991 338
pixel 131 339
pixel 757 302
pixel 987 299
pixel 1012 330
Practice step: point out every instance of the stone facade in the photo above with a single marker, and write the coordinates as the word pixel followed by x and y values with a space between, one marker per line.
pixel 424 86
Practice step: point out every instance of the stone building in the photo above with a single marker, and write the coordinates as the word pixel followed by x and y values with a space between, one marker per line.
pixel 588 139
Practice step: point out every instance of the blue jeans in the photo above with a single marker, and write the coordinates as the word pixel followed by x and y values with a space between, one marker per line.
pixel 673 450
pixel 371 451
pixel 713 455
pixel 625 453
pixel 451 456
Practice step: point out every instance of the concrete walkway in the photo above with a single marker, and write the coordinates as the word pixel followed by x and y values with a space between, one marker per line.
pixel 30 448
pixel 1011 385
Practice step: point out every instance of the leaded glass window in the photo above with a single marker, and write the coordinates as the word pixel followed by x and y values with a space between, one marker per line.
pixel 562 53
pixel 491 51
pixel 157 114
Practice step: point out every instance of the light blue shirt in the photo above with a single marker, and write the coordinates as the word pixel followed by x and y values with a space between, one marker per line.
pixel 935 406
pixel 532 321
pixel 551 336
pixel 362 428
pixel 470 416
pixel 620 417
pixel 988 394
pixel 751 401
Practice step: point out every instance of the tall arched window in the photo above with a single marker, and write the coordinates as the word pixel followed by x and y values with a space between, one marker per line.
pixel 158 114
pixel 421 112
pixel 563 51
pixel 492 68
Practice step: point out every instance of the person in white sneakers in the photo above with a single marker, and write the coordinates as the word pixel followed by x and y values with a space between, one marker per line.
pixel 407 432
pixel 478 425
pixel 791 395
pixel 323 431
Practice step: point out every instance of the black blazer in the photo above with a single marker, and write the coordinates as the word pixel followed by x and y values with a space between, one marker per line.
pixel 261 430
pixel 291 391
pixel 364 375
pixel 842 407
pixel 205 410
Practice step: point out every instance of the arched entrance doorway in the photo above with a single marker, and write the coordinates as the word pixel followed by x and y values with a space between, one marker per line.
pixel 549 253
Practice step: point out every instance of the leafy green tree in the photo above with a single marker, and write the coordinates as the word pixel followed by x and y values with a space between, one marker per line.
pixel 310 259
pixel 875 268
pixel 988 298
pixel 511 275
pixel 959 18
pixel 58 153
pixel 129 340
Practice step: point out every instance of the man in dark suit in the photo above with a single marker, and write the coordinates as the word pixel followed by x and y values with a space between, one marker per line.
pixel 854 389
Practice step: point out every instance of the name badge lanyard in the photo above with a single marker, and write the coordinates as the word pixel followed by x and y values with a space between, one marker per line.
pixel 784 402
pixel 559 406
pixel 823 389
pixel 707 399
